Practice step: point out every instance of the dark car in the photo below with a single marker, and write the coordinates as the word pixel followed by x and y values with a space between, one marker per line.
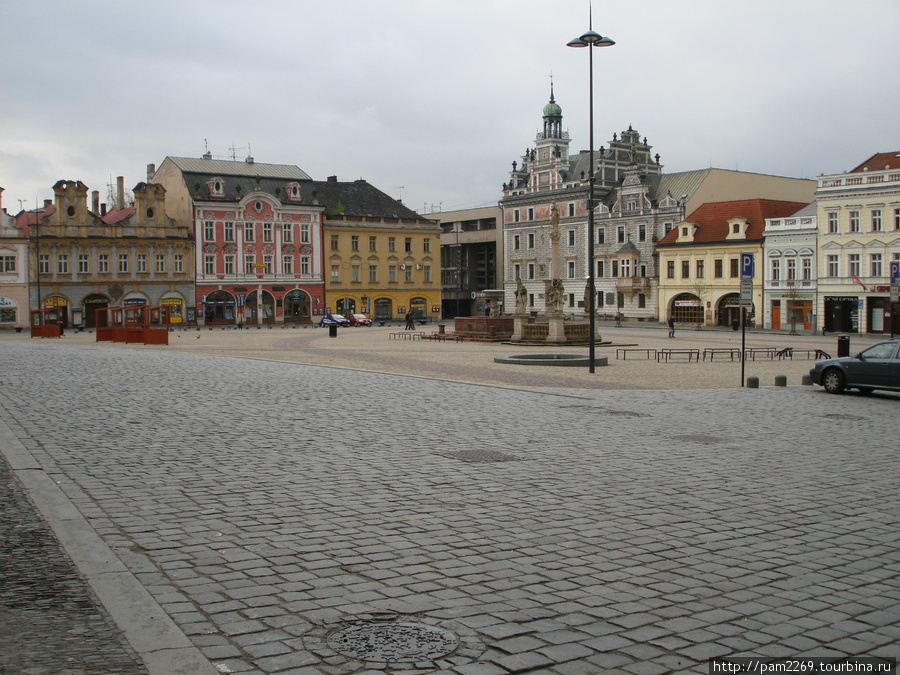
pixel 877 367
pixel 334 320
pixel 359 320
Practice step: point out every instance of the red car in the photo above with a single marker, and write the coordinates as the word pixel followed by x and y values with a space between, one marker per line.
pixel 359 320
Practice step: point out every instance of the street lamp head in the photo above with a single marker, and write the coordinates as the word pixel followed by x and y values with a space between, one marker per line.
pixel 591 39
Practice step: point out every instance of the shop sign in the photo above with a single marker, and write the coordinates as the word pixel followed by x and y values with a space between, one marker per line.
pixel 841 298
pixel 7 302
pixel 688 303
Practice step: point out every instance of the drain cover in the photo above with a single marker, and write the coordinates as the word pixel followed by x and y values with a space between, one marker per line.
pixel 393 641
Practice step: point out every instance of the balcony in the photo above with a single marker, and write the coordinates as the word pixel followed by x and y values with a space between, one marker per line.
pixel 631 285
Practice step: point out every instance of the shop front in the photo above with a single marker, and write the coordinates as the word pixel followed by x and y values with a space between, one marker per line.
pixel 9 312
pixel 687 308
pixel 175 309
pixel 219 307
pixel 878 313
pixel 297 307
pixel 841 314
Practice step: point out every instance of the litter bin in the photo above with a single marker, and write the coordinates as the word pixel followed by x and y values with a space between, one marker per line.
pixel 843 347
pixel 332 330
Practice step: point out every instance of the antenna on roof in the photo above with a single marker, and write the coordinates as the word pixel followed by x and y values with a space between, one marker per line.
pixel 400 188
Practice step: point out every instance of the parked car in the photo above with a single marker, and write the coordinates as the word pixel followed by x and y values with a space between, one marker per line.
pixel 359 320
pixel 877 367
pixel 334 320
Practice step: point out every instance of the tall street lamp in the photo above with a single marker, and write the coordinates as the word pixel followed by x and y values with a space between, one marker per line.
pixel 591 39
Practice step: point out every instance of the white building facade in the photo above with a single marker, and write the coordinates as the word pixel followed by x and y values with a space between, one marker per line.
pixel 790 272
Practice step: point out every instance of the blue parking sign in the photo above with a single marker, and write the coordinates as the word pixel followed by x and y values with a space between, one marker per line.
pixel 895 272
pixel 746 266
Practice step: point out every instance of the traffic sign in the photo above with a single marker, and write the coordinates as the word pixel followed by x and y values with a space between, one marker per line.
pixel 895 272
pixel 746 266
pixel 746 293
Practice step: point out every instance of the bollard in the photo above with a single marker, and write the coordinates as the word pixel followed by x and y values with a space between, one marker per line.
pixel 781 380
pixel 806 380
pixel 753 382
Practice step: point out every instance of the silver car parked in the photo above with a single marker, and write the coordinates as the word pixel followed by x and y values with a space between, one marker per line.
pixel 877 367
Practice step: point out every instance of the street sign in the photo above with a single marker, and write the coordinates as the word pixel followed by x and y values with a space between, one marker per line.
pixel 895 272
pixel 746 266
pixel 746 293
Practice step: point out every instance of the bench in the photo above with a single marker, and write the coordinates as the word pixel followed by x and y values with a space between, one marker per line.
pixel 761 352
pixel 730 352
pixel 788 353
pixel 667 354
pixel 623 352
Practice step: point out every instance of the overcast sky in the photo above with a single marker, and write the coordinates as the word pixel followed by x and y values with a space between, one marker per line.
pixel 437 97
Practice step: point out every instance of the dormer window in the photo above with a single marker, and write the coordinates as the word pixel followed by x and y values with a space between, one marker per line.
pixel 293 193
pixel 737 228
pixel 216 187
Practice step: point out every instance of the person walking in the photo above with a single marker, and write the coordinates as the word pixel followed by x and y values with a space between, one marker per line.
pixel 671 323
pixel 410 323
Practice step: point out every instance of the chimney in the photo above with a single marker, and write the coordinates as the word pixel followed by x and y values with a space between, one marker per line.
pixel 48 203
pixel 151 169
pixel 95 201
pixel 207 155
pixel 103 209
pixel 249 160
pixel 332 179
pixel 120 192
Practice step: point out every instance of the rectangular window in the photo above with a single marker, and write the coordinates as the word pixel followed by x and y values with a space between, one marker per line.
pixel 642 232
pixel 516 242
pixel 408 274
pixel 160 263
pixel 8 263
pixel 832 222
pixel 670 269
pixel 248 264
pixel 123 263
pixel 875 264
pixel 407 244
pixel 625 268
pixel 267 261
pixel 392 274
pixel 209 231
pixel 516 216
pixel 354 273
pixel 620 235
pixel 62 263
pixel 876 220
pixel 426 274
pixel 792 269
pixel 517 271
pixel 667 227
pixel 228 231
pixel 229 264
pixel 304 233
pixel 735 265
pixel 44 263
pixel 599 302
pixel 853 259
pixel 897 219
pixel 334 243
pixel 571 299
pixel 103 263
pixel 571 237
pixel 601 235
pixel 599 274
pixel 426 245
pixel 287 264
pixel 530 213
pixel 84 264
pixel 615 268
pixel 700 270
pixel 807 269
pixel 373 274
pixel 717 268
pixel 372 242
pixel 571 209
pixel 685 269
pixel 209 264
pixel 249 232
pixel 834 270
pixel 642 301
pixel 531 270
pixel 179 264
pixel 776 269
pixel 304 265
pixel 354 242
pixel 335 273
pixel 570 265
pixel 392 244
pixel 531 240
pixel 854 221
pixel 142 263
pixel 267 232
pixel 287 233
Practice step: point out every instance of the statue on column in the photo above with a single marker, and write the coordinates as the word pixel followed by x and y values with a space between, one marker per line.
pixel 521 296
pixel 554 295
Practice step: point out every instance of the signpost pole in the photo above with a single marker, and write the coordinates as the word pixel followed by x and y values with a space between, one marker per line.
pixel 746 301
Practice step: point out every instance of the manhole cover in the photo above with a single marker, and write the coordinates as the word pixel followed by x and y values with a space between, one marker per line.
pixel 393 641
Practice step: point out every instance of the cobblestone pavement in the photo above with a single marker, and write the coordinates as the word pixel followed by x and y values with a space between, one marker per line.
pixel 50 621
pixel 301 519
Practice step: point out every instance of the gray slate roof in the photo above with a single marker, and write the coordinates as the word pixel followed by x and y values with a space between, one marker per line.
pixel 225 167
pixel 359 199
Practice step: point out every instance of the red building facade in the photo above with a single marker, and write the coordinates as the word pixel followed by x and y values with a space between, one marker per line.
pixel 258 239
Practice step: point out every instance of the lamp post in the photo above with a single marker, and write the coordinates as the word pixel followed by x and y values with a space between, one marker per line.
pixel 590 40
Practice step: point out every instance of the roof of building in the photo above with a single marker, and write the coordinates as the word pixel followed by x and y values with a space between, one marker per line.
pixel 712 219
pixel 117 215
pixel 680 185
pixel 880 161
pixel 360 199
pixel 249 169
pixel 25 219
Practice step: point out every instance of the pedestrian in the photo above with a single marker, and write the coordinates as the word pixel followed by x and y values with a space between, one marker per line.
pixel 671 323
pixel 410 324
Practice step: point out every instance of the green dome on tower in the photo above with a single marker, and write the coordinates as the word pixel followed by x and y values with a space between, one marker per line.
pixel 552 109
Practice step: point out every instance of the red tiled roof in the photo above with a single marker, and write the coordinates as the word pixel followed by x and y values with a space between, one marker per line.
pixel 880 161
pixel 117 215
pixel 713 219
pixel 25 219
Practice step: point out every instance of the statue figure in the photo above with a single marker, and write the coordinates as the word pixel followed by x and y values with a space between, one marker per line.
pixel 521 297
pixel 554 295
